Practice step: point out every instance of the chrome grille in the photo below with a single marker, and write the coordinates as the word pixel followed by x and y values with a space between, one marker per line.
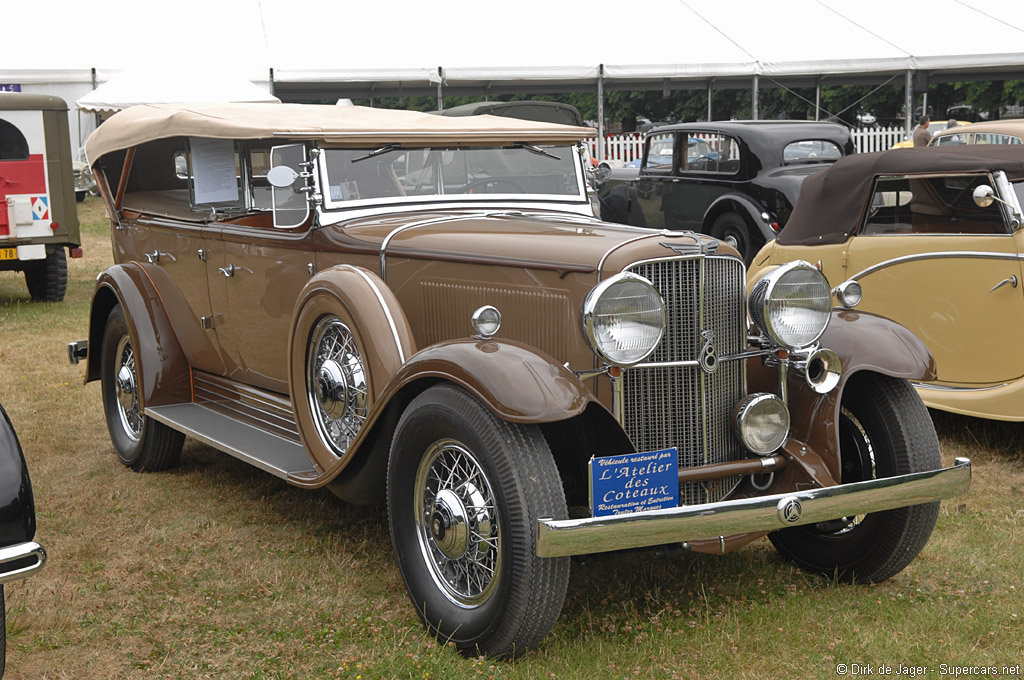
pixel 682 406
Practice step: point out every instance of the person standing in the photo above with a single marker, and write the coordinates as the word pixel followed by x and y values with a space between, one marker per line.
pixel 921 134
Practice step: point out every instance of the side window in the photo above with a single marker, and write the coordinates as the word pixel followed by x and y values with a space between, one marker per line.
pixel 711 152
pixel 13 145
pixel 291 207
pixel 933 205
pixel 995 138
pixel 950 140
pixel 659 152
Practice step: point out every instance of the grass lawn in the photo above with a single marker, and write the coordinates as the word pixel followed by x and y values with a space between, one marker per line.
pixel 217 570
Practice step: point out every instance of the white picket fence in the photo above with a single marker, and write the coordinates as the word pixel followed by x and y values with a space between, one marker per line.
pixel 629 147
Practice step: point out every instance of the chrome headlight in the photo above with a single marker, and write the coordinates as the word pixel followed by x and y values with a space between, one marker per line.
pixel 624 319
pixel 791 304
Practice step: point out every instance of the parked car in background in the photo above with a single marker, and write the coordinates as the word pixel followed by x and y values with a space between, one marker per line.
pixel 737 180
pixel 933 239
pixel 38 219
pixel 936 127
pixel 20 555
pixel 991 132
pixel 84 183
pixel 421 310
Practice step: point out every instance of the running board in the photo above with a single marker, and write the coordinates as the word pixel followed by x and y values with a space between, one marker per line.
pixel 276 455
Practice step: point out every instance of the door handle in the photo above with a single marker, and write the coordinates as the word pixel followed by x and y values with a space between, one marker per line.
pixel 1012 280
pixel 227 271
pixel 152 257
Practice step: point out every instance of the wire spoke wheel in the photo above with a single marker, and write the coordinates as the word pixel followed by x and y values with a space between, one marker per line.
pixel 336 384
pixel 459 529
pixel 126 387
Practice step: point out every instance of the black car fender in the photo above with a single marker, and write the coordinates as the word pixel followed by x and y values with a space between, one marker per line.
pixel 745 207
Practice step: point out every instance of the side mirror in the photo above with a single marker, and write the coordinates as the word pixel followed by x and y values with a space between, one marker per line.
pixel 282 176
pixel 984 196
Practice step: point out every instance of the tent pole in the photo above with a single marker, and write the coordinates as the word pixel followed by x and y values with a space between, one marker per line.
pixel 817 101
pixel 908 104
pixel 710 82
pixel 600 112
pixel 753 100
pixel 440 94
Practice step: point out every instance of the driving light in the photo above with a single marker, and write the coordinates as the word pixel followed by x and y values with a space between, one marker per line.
pixel 486 321
pixel 624 319
pixel 762 423
pixel 791 304
pixel 848 294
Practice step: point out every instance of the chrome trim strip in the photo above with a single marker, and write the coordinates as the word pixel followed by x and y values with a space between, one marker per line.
pixel 600 264
pixel 953 388
pixel 940 255
pixel 383 305
pixel 21 551
pixel 561 538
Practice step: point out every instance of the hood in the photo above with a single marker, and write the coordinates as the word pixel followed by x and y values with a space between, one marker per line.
pixel 535 239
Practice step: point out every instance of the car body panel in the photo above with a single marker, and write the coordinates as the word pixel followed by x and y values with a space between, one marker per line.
pixel 958 292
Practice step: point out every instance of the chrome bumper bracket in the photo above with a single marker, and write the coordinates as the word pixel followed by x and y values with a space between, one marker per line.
pixel 561 538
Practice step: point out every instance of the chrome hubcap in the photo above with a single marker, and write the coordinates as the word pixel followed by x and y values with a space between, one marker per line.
pixel 126 390
pixel 458 524
pixel 336 384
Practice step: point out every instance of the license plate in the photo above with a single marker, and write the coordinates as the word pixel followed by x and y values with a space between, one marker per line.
pixel 8 253
pixel 634 482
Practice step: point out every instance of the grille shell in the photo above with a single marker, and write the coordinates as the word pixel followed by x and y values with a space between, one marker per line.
pixel 683 406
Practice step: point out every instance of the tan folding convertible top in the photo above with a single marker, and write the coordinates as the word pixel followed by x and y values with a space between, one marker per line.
pixel 338 125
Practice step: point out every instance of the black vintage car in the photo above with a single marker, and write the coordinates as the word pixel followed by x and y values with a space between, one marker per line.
pixel 737 181
pixel 20 556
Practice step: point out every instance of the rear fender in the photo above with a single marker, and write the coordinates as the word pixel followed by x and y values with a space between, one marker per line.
pixel 744 207
pixel 163 371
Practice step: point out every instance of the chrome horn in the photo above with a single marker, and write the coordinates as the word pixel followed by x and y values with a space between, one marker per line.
pixel 822 370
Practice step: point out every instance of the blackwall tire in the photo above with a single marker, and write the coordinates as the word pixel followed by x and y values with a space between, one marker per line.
pixel 884 430
pixel 142 444
pixel 732 229
pixel 47 280
pixel 465 491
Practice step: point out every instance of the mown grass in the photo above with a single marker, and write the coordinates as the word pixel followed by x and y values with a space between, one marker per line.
pixel 217 570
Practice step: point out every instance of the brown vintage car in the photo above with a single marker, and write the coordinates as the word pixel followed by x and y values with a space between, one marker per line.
pixel 423 310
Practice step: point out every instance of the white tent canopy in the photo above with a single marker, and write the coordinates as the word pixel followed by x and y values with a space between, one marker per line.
pixel 160 86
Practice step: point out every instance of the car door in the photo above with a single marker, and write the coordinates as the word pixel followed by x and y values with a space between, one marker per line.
pixel 258 267
pixel 931 259
pixel 709 170
pixel 657 176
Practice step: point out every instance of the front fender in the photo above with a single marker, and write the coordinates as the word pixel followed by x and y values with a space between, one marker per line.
pixel 515 381
pixel 17 508
pixel 863 342
pixel 163 370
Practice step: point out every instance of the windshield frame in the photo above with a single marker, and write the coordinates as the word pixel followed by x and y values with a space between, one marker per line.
pixel 330 204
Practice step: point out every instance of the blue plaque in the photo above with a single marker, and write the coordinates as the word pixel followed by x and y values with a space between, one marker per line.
pixel 633 482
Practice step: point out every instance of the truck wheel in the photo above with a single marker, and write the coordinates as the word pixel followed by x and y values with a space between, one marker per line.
pixel 48 279
pixel 465 491
pixel 732 229
pixel 884 430
pixel 79 196
pixel 142 443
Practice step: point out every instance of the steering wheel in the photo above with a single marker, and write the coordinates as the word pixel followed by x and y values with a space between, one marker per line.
pixel 492 180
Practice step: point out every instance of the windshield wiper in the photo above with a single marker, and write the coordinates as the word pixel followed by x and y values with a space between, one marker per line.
pixel 376 152
pixel 532 148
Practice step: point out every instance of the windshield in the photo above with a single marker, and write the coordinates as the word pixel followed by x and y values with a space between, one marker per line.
pixel 396 175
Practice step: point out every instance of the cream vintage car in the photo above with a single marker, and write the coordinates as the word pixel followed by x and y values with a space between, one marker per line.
pixel 422 311
pixel 932 239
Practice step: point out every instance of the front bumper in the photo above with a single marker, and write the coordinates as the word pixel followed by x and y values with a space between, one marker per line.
pixel 20 561
pixel 561 538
